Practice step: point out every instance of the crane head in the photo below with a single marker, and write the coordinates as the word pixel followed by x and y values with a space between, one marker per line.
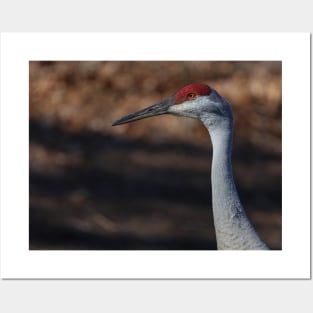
pixel 195 100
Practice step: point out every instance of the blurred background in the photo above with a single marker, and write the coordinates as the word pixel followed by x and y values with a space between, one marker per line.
pixel 146 185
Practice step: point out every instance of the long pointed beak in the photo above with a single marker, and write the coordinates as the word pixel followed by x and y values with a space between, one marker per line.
pixel 156 109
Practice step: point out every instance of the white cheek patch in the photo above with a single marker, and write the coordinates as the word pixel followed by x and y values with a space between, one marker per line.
pixel 192 107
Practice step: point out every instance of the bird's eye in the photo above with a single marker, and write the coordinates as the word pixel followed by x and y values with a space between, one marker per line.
pixel 191 95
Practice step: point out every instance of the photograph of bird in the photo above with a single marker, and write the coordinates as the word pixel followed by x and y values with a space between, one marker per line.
pixel 233 228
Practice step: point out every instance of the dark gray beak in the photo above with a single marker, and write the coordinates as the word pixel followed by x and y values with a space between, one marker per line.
pixel 156 109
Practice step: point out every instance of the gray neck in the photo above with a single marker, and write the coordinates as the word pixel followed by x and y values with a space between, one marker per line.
pixel 233 228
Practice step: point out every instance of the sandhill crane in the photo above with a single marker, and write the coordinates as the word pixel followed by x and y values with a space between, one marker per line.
pixel 232 226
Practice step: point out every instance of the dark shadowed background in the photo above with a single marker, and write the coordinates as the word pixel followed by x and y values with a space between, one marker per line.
pixel 145 185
